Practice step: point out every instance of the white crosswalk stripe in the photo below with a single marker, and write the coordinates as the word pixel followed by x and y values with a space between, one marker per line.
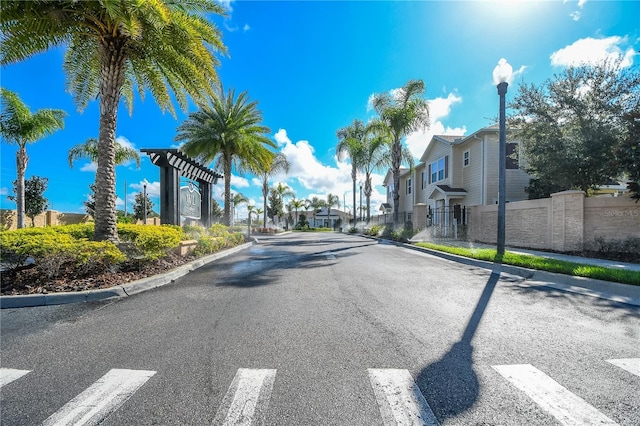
pixel 100 399
pixel 8 375
pixel 568 408
pixel 632 365
pixel 400 401
pixel 247 397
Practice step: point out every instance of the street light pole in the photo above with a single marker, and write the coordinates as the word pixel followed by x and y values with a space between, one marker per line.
pixel 144 203
pixel 501 76
pixel 360 201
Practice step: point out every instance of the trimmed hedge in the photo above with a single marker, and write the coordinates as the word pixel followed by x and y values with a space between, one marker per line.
pixel 151 241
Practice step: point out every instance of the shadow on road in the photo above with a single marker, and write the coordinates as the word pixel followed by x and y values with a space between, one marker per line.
pixel 450 385
pixel 260 267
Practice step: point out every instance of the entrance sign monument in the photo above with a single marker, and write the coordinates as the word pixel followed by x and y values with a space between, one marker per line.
pixel 187 201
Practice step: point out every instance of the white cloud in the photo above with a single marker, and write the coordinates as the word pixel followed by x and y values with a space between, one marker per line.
pixel 125 143
pixel 592 51
pixel 575 15
pixel 239 182
pixel 226 4
pixel 4 191
pixel 119 202
pixel 246 28
pixel 153 188
pixel 438 109
pixel 89 167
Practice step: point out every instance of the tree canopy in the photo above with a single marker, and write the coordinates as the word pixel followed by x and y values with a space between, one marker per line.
pixel 572 126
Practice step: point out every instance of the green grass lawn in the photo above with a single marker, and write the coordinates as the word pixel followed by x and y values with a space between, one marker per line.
pixel 542 264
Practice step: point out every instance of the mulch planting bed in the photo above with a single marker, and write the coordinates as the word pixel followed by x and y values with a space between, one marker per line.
pixel 30 281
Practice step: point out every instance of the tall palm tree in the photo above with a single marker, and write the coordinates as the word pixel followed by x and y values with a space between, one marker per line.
pixel 19 126
pixel 351 144
pixel 376 156
pixel 402 112
pixel 230 133
pixel 113 48
pixel 332 200
pixel 277 165
pixel 89 149
pixel 316 204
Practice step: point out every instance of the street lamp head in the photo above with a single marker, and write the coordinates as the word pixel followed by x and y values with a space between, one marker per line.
pixel 502 72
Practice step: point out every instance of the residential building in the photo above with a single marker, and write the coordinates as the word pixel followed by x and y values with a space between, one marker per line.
pixel 456 172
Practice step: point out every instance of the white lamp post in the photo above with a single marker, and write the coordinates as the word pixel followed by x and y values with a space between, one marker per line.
pixel 501 77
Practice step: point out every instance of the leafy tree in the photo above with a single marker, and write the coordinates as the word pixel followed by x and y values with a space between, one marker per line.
pixel 216 211
pixel 302 221
pixel 629 152
pixel 90 203
pixel 89 149
pixel 34 201
pixel 400 113
pixel 139 206
pixel 229 132
pixel 19 126
pixel 351 144
pixel 276 199
pixel 277 165
pixel 113 48
pixel 571 125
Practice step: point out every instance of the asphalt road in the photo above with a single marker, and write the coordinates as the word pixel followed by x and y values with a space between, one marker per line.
pixel 327 329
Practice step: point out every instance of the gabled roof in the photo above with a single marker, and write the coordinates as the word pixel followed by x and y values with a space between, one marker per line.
pixel 444 139
pixel 448 191
pixel 389 175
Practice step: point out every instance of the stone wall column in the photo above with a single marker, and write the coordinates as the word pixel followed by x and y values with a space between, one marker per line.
pixel 567 221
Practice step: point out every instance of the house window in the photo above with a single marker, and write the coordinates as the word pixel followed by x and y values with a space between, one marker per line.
pixel 438 170
pixel 512 156
pixel 466 158
pixel 408 186
pixel 423 178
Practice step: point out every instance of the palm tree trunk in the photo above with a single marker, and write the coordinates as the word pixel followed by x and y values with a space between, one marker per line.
pixel 396 156
pixel 265 193
pixel 21 166
pixel 112 61
pixel 367 192
pixel 227 191
pixel 354 177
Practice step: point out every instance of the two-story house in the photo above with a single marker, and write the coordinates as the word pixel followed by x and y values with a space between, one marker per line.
pixel 456 172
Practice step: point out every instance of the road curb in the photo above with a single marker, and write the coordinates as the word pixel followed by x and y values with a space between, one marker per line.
pixel 123 290
pixel 616 292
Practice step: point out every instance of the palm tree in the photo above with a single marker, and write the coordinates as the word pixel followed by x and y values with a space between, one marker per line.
pixel 279 164
pixel 229 132
pixel 89 150
pixel 376 156
pixel 296 205
pixel 316 204
pixel 281 191
pixel 238 199
pixel 113 48
pixel 403 112
pixel 332 200
pixel 19 126
pixel 351 144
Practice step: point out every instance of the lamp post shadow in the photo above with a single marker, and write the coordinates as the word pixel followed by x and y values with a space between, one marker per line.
pixel 450 385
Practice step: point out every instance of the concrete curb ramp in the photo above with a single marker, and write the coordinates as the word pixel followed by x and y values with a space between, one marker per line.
pixel 124 290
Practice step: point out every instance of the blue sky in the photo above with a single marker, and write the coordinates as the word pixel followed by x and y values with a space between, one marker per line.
pixel 313 67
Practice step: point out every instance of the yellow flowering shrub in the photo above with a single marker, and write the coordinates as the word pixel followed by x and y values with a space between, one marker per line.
pixel 152 241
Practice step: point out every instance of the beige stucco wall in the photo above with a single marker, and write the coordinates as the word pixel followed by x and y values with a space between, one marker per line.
pixel 9 219
pixel 563 222
pixel 611 217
